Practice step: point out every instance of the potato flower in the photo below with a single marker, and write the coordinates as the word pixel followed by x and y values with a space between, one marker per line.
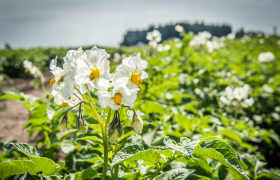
pixel 248 102
pixel 239 93
pixel 155 35
pixel 117 96
pixel 93 69
pixel 179 28
pixel 29 67
pixel 132 71
pixel 266 57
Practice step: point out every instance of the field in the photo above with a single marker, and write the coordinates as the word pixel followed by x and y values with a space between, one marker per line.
pixel 210 111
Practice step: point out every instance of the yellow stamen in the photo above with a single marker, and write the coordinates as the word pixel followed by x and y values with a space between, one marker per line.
pixel 52 82
pixel 94 74
pixel 64 104
pixel 239 93
pixel 136 80
pixel 118 99
pixel 61 79
pixel 26 70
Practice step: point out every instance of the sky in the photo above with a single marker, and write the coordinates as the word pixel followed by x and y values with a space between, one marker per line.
pixel 55 23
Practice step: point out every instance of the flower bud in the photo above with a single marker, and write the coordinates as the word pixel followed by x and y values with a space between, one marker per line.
pixel 114 136
pixel 63 123
pixel 137 123
pixel 120 130
pixel 81 123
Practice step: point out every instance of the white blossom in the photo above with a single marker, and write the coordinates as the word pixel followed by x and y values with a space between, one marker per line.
pixel 231 36
pixel 179 28
pixel 29 67
pixel 93 69
pixel 120 94
pixel 155 35
pixel 266 57
pixel 239 93
pixel 248 102
pixel 132 71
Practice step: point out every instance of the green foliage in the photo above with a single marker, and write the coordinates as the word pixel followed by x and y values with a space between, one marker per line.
pixel 183 118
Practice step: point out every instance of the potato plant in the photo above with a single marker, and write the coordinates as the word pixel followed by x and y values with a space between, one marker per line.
pixel 197 108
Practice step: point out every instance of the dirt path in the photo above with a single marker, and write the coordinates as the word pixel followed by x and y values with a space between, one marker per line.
pixel 14 115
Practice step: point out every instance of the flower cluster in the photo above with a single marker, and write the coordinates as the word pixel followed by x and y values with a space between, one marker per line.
pixel 154 37
pixel 266 57
pixel 203 38
pixel 89 70
pixel 241 94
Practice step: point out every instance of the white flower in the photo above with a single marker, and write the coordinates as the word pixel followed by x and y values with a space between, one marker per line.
pixel 161 47
pixel 248 102
pixel 179 28
pixel 153 44
pixel 53 63
pixel 204 35
pixel 137 121
pixel 239 93
pixel 71 58
pixel 93 69
pixel 155 35
pixel 224 100
pixel 132 70
pixel 266 57
pixel 29 67
pixel 117 57
pixel 118 95
pixel 267 89
pixel 228 93
pixel 231 36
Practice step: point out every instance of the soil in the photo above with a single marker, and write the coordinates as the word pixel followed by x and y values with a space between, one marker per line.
pixel 13 115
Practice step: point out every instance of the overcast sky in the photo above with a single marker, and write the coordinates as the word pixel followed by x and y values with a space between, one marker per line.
pixel 30 23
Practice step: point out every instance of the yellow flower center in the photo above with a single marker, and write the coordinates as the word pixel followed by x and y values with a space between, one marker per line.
pixel 118 99
pixel 52 82
pixel 64 104
pixel 136 80
pixel 94 74
pixel 26 70
pixel 239 93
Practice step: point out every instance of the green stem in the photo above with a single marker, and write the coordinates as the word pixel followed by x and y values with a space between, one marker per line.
pixel 163 166
pixel 116 172
pixel 105 146
pixel 43 89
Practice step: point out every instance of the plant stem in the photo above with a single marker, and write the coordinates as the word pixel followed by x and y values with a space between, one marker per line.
pixel 116 172
pixel 105 146
pixel 93 108
pixel 163 166
pixel 43 89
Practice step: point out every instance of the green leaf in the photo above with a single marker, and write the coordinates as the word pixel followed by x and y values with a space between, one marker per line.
pixel 136 152
pixel 18 167
pixel 133 176
pixel 27 176
pixel 216 149
pixel 87 173
pixel 48 166
pixel 90 138
pixel 39 111
pixel 185 146
pixel 67 146
pixel 175 174
pixel 153 107
pixel 60 167
pixel 12 94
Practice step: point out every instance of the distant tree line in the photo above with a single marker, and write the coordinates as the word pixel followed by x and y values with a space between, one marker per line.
pixel 168 31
